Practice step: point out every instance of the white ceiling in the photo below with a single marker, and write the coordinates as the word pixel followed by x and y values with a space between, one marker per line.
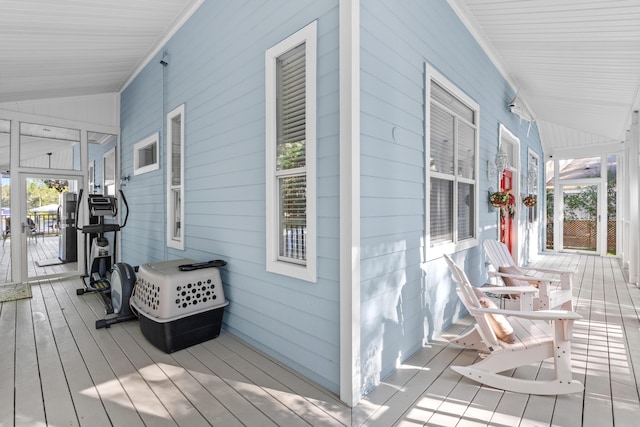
pixel 574 63
pixel 62 48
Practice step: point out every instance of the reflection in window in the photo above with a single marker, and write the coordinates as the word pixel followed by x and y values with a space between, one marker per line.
pixel 109 166
pixel 588 167
pixel 49 147
pixel 5 145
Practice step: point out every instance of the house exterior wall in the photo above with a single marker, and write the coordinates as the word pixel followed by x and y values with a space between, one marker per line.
pixel 216 67
pixel 406 301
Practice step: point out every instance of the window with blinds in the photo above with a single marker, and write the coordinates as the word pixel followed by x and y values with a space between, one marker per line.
pixel 290 155
pixel 452 141
pixel 175 178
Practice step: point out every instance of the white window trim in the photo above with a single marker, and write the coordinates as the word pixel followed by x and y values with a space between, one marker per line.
pixel 176 243
pixel 306 272
pixel 150 140
pixel 448 248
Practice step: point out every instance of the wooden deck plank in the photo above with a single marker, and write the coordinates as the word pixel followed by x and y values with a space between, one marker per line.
pixel 202 398
pixel 147 403
pixel 232 399
pixel 116 377
pixel 117 385
pixel 450 395
pixel 380 398
pixel 597 394
pixel 90 410
pixel 277 412
pixel 58 404
pixel 176 404
pixel 106 387
pixel 425 373
pixel 46 248
pixel 317 403
pixel 7 356
pixel 623 353
pixel 29 408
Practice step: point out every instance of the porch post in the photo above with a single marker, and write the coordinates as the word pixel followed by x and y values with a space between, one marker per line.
pixel 633 197
pixel 350 363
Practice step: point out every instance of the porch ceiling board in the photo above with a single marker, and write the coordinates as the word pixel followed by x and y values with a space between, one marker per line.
pixel 70 48
pixel 576 63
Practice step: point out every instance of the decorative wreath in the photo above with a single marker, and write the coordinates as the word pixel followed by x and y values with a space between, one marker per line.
pixel 530 201
pixel 499 199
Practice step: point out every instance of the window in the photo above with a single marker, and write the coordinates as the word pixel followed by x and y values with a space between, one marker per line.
pixel 49 147
pixel 109 172
pixel 145 155
pixel 175 178
pixel 291 155
pixel 92 177
pixel 452 145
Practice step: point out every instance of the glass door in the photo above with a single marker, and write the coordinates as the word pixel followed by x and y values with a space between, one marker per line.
pixel 580 225
pixel 5 229
pixel 5 202
pixel 48 231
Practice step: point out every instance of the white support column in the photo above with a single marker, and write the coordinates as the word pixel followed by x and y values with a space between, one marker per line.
pixel 350 362
pixel 634 199
pixel 624 200
pixel 18 263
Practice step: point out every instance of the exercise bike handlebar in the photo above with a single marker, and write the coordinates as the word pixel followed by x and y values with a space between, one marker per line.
pixel 124 200
pixel 126 205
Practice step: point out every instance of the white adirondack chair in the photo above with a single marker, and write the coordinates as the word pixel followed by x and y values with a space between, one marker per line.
pixel 537 335
pixel 555 285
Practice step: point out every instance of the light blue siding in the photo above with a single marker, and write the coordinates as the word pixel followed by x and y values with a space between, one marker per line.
pixel 216 68
pixel 405 300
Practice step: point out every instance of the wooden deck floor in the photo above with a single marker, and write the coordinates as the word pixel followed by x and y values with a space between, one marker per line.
pixel 40 248
pixel 56 369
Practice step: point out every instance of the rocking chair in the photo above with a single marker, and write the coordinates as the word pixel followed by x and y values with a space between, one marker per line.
pixel 526 337
pixel 555 285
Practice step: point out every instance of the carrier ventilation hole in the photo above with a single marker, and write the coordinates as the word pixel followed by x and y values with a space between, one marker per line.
pixel 193 294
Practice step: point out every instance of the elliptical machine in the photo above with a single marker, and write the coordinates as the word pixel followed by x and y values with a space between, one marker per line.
pixel 114 285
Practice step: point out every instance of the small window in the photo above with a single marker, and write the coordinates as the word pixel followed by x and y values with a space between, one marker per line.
pixel 175 178
pixel 291 155
pixel 145 155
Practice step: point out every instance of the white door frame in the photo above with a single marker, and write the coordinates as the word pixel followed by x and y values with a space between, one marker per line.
pixel 22 210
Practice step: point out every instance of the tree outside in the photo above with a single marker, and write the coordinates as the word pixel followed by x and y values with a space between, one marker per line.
pixel 44 192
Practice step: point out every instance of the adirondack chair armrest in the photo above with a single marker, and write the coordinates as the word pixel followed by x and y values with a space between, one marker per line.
pixel 529 279
pixel 565 276
pixel 509 290
pixel 545 315
pixel 548 270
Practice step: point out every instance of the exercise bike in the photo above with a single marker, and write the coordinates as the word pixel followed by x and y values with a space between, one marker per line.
pixel 113 281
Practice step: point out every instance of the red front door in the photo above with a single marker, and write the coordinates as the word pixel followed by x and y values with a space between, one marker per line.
pixel 506 221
